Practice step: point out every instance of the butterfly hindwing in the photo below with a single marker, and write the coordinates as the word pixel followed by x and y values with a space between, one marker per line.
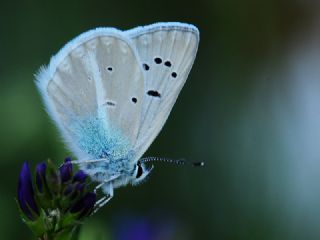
pixel 167 52
pixel 93 89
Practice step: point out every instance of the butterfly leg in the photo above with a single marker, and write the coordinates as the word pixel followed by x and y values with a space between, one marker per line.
pixel 104 200
pixel 87 161
pixel 105 182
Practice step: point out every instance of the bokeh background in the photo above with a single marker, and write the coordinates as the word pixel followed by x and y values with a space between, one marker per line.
pixel 250 109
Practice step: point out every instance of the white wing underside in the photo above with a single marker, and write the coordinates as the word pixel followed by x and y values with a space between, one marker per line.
pixel 176 45
pixel 95 76
pixel 100 75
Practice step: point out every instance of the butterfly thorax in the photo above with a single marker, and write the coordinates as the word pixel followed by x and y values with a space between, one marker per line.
pixel 108 168
pixel 118 170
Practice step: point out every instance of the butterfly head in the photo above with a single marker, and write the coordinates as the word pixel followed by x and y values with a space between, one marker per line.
pixel 140 173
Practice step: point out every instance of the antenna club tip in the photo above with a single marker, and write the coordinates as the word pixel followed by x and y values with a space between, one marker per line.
pixel 198 164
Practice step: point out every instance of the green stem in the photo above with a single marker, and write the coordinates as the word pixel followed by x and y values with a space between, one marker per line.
pixel 66 234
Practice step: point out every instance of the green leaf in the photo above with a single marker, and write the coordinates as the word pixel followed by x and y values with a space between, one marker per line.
pixel 66 234
pixel 69 219
pixel 40 225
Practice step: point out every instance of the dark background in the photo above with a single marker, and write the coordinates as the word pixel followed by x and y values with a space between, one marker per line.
pixel 250 109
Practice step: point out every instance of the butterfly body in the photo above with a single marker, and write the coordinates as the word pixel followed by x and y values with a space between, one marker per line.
pixel 110 92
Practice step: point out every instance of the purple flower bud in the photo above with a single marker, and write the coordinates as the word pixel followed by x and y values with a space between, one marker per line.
pixel 68 190
pixel 66 170
pixel 26 194
pixel 78 189
pixel 80 176
pixel 41 176
pixel 85 205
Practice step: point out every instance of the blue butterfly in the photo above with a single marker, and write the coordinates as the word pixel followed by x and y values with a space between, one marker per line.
pixel 110 92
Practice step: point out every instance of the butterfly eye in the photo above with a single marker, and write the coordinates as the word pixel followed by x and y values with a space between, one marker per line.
pixel 140 171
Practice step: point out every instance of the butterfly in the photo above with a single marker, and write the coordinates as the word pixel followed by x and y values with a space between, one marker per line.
pixel 110 92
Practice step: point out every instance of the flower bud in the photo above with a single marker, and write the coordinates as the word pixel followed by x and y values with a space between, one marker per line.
pixel 26 199
pixel 80 176
pixel 41 176
pixel 66 170
pixel 84 205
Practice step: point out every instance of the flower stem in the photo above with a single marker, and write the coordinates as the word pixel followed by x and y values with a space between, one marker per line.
pixel 66 234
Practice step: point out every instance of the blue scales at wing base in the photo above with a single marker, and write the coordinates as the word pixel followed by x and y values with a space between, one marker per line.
pixel 99 141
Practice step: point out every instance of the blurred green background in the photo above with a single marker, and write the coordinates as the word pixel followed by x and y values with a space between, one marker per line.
pixel 250 109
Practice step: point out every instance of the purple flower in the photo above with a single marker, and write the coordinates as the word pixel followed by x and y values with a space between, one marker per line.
pixel 26 199
pixel 76 190
pixel 66 170
pixel 84 205
pixel 55 192
pixel 41 176
pixel 78 185
pixel 68 190
pixel 80 176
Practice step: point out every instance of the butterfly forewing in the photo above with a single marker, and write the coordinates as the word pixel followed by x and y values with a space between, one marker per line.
pixel 122 82
pixel 167 52
pixel 93 89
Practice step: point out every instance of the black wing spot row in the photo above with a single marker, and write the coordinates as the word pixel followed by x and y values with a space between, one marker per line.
pixel 154 93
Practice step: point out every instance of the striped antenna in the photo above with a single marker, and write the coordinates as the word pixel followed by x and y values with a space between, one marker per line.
pixel 171 161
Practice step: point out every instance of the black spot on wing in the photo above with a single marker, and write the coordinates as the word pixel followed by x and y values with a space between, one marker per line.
pixel 167 64
pixel 158 60
pixel 145 66
pixel 174 74
pixel 134 100
pixel 154 93
pixel 110 103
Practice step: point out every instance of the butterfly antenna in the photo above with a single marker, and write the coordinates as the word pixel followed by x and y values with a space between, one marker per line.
pixel 171 161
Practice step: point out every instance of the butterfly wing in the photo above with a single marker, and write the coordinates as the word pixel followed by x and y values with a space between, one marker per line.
pixel 93 89
pixel 167 52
